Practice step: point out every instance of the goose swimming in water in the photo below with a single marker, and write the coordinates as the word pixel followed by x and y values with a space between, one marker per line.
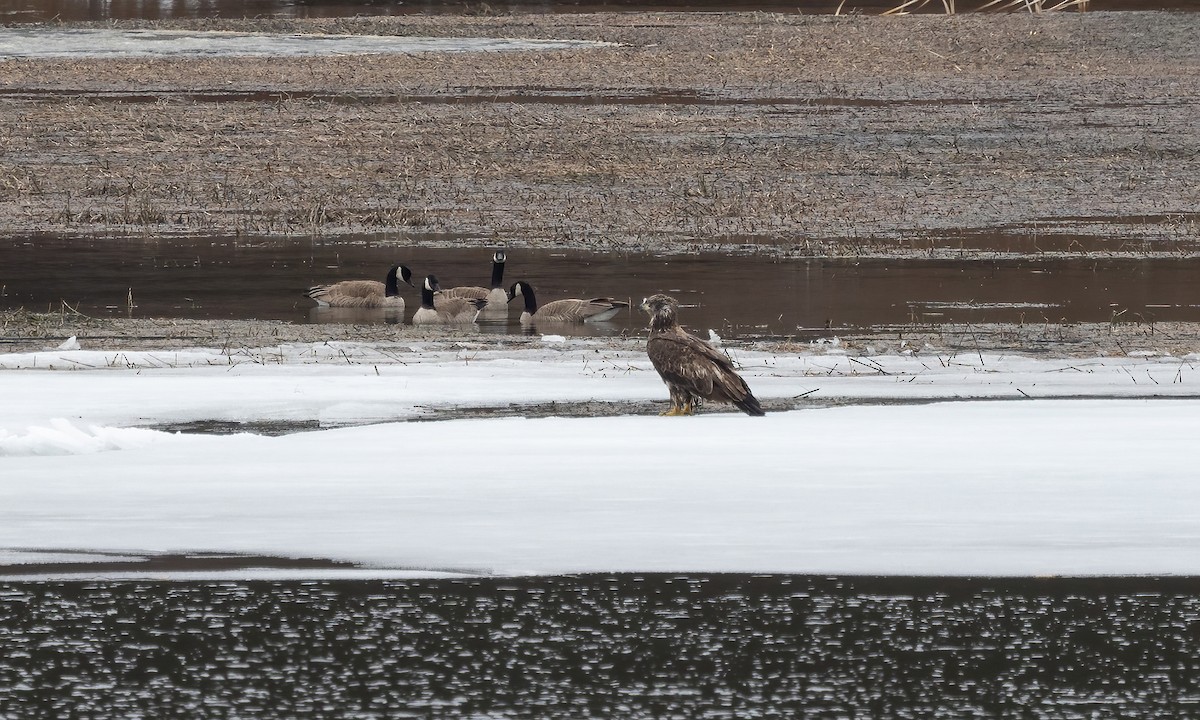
pixel 448 311
pixel 496 297
pixel 364 293
pixel 566 311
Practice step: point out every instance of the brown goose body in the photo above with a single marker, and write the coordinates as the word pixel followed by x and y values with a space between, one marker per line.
pixel 495 296
pixel 364 293
pixel 692 369
pixel 447 311
pixel 565 311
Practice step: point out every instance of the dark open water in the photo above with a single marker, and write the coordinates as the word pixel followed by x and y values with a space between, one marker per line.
pixel 603 647
pixel 265 278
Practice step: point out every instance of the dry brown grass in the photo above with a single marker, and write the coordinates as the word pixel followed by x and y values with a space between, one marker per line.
pixel 810 135
pixel 951 7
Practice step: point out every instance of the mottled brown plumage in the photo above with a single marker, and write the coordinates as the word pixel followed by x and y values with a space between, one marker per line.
pixel 692 369
pixel 496 296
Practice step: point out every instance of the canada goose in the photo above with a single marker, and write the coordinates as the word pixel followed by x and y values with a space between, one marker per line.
pixel 693 370
pixel 448 311
pixel 572 310
pixel 496 297
pixel 364 293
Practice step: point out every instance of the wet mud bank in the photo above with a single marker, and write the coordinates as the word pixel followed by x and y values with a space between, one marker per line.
pixel 775 134
pixel 22 331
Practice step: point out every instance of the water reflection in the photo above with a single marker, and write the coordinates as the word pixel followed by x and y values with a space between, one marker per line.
pixel 356 316
pixel 266 278
pixel 626 646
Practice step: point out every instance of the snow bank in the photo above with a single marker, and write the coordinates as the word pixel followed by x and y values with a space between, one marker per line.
pixel 338 384
pixel 1087 472
pixel 60 437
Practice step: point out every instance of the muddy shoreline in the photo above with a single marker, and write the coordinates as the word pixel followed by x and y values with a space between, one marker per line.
pixel 22 331
pixel 754 132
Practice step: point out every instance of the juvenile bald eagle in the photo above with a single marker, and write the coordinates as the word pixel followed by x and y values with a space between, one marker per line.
pixel 692 369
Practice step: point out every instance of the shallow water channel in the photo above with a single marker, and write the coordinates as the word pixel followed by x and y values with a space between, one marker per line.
pixel 266 278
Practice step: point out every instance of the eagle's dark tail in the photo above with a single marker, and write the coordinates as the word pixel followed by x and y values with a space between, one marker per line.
pixel 749 405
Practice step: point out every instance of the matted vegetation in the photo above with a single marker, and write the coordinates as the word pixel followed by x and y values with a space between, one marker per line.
pixel 23 331
pixel 786 134
pixel 951 7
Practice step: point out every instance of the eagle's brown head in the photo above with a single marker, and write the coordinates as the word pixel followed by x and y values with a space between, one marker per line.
pixel 661 309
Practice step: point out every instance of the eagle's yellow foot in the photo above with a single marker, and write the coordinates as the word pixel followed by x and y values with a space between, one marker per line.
pixel 677 410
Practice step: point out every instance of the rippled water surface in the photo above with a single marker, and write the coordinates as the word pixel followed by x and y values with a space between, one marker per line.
pixel 266 279
pixel 603 647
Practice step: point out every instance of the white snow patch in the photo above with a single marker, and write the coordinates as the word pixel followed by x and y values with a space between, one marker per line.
pixel 61 437
pixel 1087 471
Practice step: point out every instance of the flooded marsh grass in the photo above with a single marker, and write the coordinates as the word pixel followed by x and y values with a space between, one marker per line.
pixel 74 10
pixel 821 136
pixel 950 7
pixel 615 176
